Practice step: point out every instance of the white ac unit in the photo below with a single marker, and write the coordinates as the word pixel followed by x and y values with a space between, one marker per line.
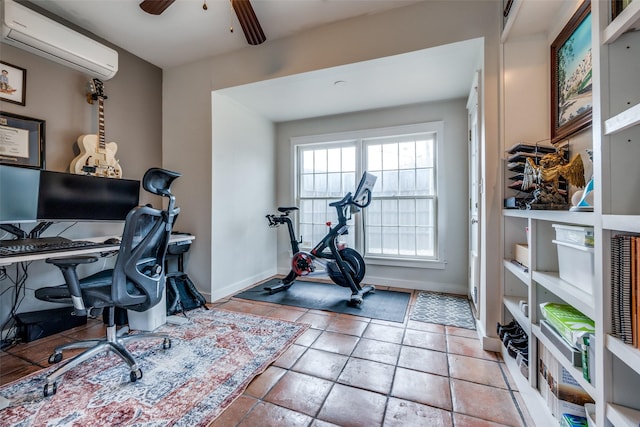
pixel 26 29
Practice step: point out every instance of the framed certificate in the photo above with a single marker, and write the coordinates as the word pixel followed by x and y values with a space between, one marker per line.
pixel 22 141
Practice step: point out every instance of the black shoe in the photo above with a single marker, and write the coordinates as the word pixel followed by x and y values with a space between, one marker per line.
pixel 519 342
pixel 517 334
pixel 500 327
pixel 508 330
pixel 514 351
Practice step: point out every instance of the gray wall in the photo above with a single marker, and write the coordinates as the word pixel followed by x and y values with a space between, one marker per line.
pixel 188 120
pixel 133 114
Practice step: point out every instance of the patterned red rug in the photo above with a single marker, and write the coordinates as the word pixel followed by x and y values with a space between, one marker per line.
pixel 211 361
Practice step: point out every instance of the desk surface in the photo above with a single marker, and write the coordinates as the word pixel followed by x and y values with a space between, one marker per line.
pixel 175 238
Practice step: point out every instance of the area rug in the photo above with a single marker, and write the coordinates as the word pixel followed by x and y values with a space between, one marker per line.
pixel 443 309
pixel 383 305
pixel 213 358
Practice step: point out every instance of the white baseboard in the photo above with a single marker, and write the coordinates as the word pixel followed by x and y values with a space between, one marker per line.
pixel 236 287
pixel 417 285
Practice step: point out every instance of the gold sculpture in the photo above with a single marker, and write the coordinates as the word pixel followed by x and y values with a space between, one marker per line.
pixel 545 176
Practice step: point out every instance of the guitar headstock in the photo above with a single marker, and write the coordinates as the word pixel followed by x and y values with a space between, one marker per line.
pixel 96 90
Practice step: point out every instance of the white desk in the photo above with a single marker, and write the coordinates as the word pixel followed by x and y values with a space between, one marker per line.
pixel 8 260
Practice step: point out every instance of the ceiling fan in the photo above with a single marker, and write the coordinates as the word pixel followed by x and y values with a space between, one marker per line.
pixel 243 9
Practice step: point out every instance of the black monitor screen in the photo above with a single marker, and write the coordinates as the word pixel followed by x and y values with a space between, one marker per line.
pixel 65 196
pixel 18 194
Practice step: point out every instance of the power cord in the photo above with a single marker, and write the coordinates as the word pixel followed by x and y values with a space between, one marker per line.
pixel 19 286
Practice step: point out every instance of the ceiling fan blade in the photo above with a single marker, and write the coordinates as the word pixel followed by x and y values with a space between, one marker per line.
pixel 155 7
pixel 249 22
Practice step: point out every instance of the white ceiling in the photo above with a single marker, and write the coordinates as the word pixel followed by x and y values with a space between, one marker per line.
pixel 186 33
pixel 435 74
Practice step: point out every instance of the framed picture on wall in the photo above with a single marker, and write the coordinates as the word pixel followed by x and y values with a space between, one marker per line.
pixel 618 6
pixel 571 76
pixel 22 141
pixel 13 83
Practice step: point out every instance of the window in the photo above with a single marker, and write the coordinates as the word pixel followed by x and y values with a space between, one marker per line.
pixel 326 173
pixel 401 223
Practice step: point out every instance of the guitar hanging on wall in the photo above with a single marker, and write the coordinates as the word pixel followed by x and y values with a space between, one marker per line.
pixel 97 157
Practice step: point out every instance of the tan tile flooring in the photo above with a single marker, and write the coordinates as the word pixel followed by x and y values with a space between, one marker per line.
pixel 350 371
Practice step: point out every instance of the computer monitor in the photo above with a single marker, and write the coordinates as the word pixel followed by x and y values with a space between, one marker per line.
pixel 363 192
pixel 18 194
pixel 70 197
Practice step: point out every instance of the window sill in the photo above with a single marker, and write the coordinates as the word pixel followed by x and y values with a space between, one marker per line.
pixel 399 262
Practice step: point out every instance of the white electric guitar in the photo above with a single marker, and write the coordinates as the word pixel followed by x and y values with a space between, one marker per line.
pixel 97 157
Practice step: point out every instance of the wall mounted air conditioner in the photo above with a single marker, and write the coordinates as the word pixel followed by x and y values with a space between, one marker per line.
pixel 33 32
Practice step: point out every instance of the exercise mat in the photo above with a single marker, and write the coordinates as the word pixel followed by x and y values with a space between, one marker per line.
pixel 382 305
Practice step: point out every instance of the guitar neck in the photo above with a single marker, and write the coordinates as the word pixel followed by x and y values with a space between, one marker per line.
pixel 101 137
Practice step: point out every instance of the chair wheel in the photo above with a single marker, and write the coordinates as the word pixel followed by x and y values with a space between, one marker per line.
pixel 166 344
pixel 50 389
pixel 55 358
pixel 135 375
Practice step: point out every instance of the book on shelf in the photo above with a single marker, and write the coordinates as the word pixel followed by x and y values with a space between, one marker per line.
pixel 567 321
pixel 625 288
pixel 560 391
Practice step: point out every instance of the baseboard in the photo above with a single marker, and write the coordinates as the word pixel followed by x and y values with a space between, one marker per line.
pixel 236 287
pixel 417 285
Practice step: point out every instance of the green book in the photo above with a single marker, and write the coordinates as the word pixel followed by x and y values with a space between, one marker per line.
pixel 568 322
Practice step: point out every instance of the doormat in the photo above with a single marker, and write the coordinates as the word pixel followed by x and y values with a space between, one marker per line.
pixel 383 305
pixel 212 360
pixel 443 309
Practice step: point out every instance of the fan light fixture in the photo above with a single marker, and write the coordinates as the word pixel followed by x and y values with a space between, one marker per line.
pixel 248 21
pixel 243 9
pixel 155 7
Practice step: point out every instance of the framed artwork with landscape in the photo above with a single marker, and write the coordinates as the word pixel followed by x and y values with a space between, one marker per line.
pixel 571 76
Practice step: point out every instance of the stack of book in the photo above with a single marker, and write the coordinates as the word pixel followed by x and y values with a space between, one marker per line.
pixel 625 288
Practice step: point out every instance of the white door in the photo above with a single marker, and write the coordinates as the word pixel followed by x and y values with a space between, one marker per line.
pixel 475 188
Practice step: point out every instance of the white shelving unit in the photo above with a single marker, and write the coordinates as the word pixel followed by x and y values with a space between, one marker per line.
pixel 618 403
pixel 615 140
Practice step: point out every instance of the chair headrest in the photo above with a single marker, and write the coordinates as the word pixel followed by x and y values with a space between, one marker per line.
pixel 158 181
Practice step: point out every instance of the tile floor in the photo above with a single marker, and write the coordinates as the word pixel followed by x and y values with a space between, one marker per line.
pixel 350 371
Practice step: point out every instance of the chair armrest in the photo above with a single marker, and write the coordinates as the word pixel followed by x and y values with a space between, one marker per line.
pixel 68 268
pixel 70 261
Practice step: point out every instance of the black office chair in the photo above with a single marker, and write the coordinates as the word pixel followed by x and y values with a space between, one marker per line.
pixel 136 282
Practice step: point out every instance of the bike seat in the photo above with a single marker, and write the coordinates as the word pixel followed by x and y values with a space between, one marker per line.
pixel 287 209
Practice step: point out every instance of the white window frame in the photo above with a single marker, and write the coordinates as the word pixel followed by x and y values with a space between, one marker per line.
pixel 359 136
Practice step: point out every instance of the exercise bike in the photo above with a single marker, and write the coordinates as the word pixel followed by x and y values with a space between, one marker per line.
pixel 345 266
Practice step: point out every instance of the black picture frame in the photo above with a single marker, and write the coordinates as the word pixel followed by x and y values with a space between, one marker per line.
pixel 13 83
pixel 571 71
pixel 22 141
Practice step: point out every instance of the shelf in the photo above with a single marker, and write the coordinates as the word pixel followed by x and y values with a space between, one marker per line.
pixel 576 373
pixel 628 19
pixel 517 271
pixel 626 353
pixel 622 121
pixel 581 218
pixel 513 305
pixel 582 301
pixel 621 416
pixel 535 403
pixel 628 223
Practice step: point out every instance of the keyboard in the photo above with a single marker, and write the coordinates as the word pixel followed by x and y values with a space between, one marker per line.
pixel 42 244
